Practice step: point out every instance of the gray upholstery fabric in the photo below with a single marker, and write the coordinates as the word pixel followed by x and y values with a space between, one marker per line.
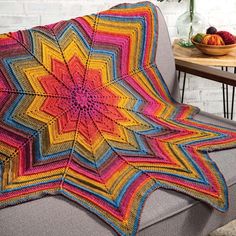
pixel 196 219
pixel 166 213
pixel 165 58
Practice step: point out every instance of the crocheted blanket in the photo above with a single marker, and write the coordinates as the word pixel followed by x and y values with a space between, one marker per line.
pixel 85 113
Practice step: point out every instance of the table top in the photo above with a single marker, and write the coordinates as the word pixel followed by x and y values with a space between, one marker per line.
pixel 195 56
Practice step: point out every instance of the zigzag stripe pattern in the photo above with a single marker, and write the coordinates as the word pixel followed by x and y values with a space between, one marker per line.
pixel 85 113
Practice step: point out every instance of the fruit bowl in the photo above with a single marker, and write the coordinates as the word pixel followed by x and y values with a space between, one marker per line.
pixel 214 50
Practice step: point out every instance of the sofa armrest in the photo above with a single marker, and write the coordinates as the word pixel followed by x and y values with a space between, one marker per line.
pixel 206 72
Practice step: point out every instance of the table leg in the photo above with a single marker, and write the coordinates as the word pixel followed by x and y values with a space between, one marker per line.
pixel 227 97
pixel 232 108
pixel 232 105
pixel 227 101
pixel 182 99
pixel 179 73
pixel 223 90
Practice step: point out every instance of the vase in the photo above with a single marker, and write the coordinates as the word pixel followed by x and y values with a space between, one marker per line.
pixel 189 24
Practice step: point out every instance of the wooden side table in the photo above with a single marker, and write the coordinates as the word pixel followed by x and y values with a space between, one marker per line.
pixel 195 56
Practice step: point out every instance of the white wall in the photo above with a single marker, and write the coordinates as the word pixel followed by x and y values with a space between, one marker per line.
pixel 20 14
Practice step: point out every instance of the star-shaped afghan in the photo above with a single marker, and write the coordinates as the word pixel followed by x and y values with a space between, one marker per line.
pixel 84 113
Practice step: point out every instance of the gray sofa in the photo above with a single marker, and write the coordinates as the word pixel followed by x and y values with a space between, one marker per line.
pixel 166 213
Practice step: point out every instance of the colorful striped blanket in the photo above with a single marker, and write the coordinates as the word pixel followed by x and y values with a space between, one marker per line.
pixel 85 113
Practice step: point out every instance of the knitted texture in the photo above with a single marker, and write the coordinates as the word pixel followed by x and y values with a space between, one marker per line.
pixel 85 113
